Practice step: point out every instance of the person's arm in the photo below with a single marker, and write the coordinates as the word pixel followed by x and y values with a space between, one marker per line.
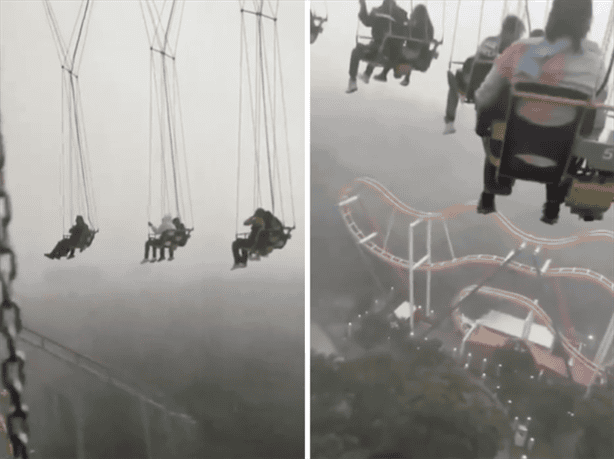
pixel 491 88
pixel 363 15
pixel 497 80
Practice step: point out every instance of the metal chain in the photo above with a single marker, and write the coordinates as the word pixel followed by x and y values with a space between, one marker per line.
pixel 13 374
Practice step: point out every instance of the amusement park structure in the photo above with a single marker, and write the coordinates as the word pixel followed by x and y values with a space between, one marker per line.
pixel 486 330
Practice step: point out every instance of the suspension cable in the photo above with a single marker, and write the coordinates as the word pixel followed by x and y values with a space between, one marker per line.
pixel 283 101
pixel 480 23
pixel 526 5
pixel 454 35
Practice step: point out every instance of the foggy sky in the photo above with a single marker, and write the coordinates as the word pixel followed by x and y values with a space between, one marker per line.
pixel 114 81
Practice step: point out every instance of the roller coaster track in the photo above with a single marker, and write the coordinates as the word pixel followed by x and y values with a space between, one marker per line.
pixel 582 369
pixel 94 368
pixel 368 242
pixel 504 222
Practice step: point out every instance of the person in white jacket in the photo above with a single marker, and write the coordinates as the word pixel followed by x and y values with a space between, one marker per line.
pixel 167 227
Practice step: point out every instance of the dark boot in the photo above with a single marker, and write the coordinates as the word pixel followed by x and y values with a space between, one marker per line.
pixel 486 204
pixel 550 214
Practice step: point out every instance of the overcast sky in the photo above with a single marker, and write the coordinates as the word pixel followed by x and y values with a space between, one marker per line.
pixel 330 55
pixel 114 81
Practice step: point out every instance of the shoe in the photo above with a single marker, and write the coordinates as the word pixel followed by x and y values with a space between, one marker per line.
pixel 352 86
pixel 145 260
pixel 48 255
pixel 550 214
pixel 364 77
pixel 381 77
pixel 486 204
pixel 235 266
pixel 449 129
pixel 161 259
pixel 70 256
pixel 171 258
pixel 405 82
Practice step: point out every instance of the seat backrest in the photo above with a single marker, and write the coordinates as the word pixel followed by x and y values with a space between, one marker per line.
pixel 479 70
pixel 535 152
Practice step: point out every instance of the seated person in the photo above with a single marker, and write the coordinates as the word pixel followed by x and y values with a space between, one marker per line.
pixel 272 236
pixel 182 234
pixel 60 250
pixel 164 231
pixel 68 245
pixel 241 247
pixel 553 59
pixel 511 30
pixel 420 28
pixel 315 27
pixel 379 28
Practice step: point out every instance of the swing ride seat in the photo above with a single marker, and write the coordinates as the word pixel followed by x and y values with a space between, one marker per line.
pixel 411 54
pixel 316 27
pixel 592 193
pixel 530 151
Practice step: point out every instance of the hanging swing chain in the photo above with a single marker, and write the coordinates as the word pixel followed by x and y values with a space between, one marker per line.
pixel 69 58
pixel 13 372
pixel 526 9
pixel 283 102
pixel 480 23
pixel 266 129
pixel 454 35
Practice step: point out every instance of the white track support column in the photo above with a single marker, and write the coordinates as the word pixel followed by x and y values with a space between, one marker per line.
pixel 390 223
pixel 411 274
pixel 445 227
pixel 80 424
pixel 602 352
pixel 170 440
pixel 429 228
pixel 145 419
pixel 412 267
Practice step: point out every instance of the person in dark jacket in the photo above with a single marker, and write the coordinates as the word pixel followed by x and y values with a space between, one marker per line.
pixel 240 246
pixel 67 246
pixel 420 27
pixel 387 17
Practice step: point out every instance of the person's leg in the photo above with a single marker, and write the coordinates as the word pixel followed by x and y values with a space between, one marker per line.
pixel 357 54
pixel 486 205
pixel 405 81
pixel 555 196
pixel 383 76
pixel 236 245
pixel 452 102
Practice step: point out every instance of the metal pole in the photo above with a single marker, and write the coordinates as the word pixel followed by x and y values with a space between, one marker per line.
pixel 169 433
pixel 412 305
pixel 145 419
pixel 411 277
pixel 445 227
pixel 428 273
pixel 390 223
pixel 602 351
pixel 80 424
